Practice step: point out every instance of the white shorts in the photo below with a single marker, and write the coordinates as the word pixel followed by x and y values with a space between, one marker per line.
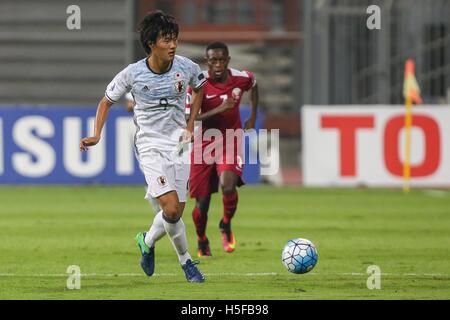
pixel 165 172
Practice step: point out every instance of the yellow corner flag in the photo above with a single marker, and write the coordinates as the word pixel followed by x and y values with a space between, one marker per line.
pixel 411 93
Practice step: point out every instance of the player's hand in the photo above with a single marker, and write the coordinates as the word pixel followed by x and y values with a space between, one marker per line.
pixel 188 135
pixel 185 140
pixel 88 142
pixel 250 124
pixel 228 104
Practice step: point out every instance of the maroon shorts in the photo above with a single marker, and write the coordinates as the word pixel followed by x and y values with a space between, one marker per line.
pixel 204 175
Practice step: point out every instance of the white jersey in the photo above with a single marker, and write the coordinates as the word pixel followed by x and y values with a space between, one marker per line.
pixel 159 113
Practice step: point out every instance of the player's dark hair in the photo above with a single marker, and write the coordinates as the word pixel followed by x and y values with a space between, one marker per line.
pixel 157 23
pixel 217 45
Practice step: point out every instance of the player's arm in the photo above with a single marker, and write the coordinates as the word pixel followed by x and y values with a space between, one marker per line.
pixel 254 101
pixel 197 98
pixel 130 102
pixel 227 104
pixel 100 119
pixel 197 83
pixel 188 134
pixel 114 91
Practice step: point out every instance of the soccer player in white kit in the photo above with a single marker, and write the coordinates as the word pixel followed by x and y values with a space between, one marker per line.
pixel 158 84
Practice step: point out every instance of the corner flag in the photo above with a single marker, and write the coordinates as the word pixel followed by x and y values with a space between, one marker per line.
pixel 411 93
pixel 411 87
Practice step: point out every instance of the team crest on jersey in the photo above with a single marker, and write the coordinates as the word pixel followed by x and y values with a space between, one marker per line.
pixel 162 181
pixel 179 86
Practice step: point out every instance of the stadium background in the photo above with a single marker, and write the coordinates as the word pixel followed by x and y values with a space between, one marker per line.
pixel 303 52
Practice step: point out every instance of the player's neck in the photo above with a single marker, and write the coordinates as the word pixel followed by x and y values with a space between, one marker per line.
pixel 223 78
pixel 157 65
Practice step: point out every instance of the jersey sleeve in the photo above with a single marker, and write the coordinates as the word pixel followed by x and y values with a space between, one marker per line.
pixel 250 81
pixel 120 85
pixel 198 79
pixel 129 97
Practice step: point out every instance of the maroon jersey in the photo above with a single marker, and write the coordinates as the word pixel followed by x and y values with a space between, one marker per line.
pixel 215 93
pixel 204 176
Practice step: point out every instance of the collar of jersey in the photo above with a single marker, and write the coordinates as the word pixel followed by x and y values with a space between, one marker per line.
pixel 148 66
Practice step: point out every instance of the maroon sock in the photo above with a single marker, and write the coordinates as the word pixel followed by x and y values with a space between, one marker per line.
pixel 229 206
pixel 200 220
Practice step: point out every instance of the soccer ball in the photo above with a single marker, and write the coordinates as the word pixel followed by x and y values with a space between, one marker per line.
pixel 299 256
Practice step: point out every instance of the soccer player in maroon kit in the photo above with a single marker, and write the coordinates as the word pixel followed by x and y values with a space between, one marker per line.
pixel 220 110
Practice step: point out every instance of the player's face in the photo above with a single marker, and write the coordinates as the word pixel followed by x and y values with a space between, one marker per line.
pixel 165 47
pixel 217 61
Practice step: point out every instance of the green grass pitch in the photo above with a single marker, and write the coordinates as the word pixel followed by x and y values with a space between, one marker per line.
pixel 43 230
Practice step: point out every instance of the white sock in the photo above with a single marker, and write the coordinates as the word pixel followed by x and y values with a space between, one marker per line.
pixel 177 234
pixel 155 204
pixel 156 232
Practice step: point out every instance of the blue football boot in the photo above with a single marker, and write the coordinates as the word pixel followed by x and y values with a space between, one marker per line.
pixel 148 254
pixel 192 272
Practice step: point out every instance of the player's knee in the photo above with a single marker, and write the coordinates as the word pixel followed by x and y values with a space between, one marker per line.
pixel 172 211
pixel 203 205
pixel 228 189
